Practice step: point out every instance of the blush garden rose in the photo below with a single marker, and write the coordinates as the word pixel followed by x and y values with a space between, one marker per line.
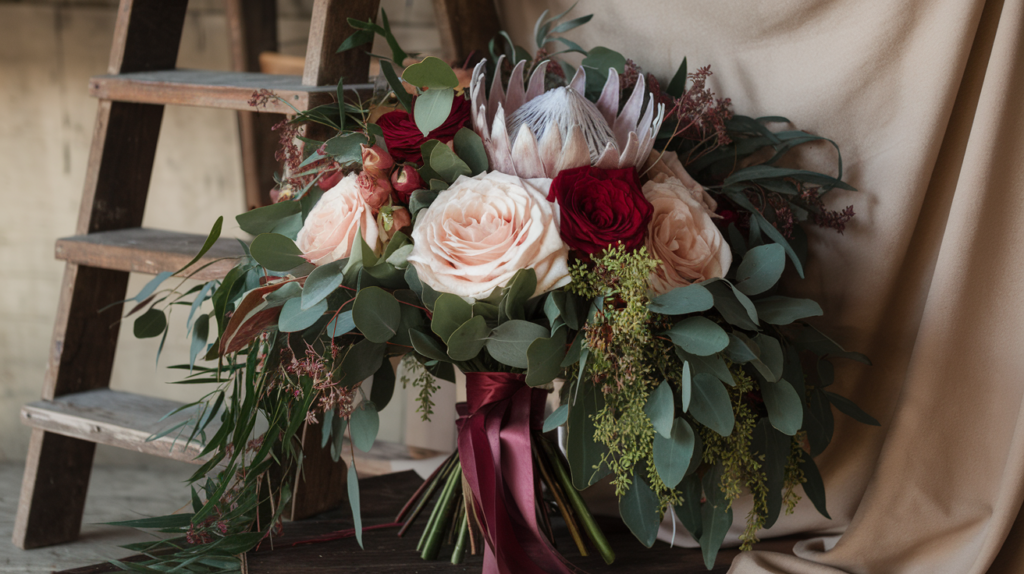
pixel 479 232
pixel 330 228
pixel 600 208
pixel 682 236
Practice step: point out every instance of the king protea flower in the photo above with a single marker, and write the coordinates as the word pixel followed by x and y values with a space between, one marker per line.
pixel 532 133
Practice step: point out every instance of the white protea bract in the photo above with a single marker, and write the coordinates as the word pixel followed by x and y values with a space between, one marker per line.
pixel 530 132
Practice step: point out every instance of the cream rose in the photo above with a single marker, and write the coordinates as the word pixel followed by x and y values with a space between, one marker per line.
pixel 330 228
pixel 483 229
pixel 668 165
pixel 683 237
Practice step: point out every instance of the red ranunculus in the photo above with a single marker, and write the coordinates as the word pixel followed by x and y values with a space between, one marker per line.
pixel 404 138
pixel 601 208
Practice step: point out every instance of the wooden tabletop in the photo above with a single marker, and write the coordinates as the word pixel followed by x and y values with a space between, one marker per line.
pixel 384 552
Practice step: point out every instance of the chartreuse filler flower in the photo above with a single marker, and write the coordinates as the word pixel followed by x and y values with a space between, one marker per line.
pixel 623 233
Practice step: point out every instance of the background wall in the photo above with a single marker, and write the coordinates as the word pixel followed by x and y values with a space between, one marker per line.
pixel 48 51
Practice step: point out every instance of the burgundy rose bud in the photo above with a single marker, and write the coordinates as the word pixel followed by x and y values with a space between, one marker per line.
pixel 330 180
pixel 406 180
pixel 601 208
pixel 376 161
pixel 400 218
pixel 404 138
pixel 375 192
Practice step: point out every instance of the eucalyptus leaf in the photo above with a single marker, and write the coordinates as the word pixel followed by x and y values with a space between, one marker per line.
pixel 150 324
pixel 431 72
pixel 450 313
pixel 682 300
pixel 686 386
pixel 716 517
pixel 699 335
pixel 377 314
pixel 276 252
pixel 544 359
pixel 265 219
pixel 556 418
pixel 712 365
pixel 428 346
pixel 850 409
pixel 761 269
pixel 345 148
pixel 689 511
pixel 711 405
pixel 341 325
pixel 293 318
pixel 353 502
pixel 360 361
pixel 466 342
pixel 818 421
pixel 730 307
pixel 363 425
pixel 383 388
pixel 660 409
pixel 775 447
pixel 446 164
pixel 470 149
pixel 672 454
pixel 199 338
pixel 583 452
pixel 779 310
pixel 432 108
pixel 785 409
pixel 510 341
pixel 639 510
pixel 814 486
pixel 322 282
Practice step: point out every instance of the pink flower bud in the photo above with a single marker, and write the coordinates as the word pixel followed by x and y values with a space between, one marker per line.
pixel 375 192
pixel 406 180
pixel 330 180
pixel 400 218
pixel 376 161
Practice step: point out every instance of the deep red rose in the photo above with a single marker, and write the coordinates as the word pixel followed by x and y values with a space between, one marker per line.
pixel 404 181
pixel 600 208
pixel 404 138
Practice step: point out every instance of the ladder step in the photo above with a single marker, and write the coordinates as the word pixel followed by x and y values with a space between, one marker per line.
pixel 127 420
pixel 215 89
pixel 144 250
pixel 114 418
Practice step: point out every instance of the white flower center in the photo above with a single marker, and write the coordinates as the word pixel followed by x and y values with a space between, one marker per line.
pixel 566 107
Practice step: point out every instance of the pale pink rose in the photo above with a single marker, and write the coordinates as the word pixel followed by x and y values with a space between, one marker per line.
pixel 376 161
pixel 479 232
pixel 330 228
pixel 375 192
pixel 668 165
pixel 683 237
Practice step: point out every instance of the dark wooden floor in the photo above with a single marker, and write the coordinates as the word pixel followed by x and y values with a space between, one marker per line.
pixel 385 553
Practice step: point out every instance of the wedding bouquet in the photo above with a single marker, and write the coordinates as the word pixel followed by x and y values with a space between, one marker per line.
pixel 524 221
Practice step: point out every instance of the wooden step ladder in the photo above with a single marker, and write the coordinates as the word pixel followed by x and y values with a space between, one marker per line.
pixel 78 409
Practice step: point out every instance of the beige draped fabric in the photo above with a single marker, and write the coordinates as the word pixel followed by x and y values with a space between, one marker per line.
pixel 926 100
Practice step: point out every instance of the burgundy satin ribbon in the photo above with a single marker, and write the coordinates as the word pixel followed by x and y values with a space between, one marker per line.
pixel 497 462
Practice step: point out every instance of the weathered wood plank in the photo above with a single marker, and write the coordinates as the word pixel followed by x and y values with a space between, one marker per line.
pixel 151 251
pixel 466 26
pixel 253 30
pixel 128 420
pixel 327 30
pixel 124 420
pixel 214 89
